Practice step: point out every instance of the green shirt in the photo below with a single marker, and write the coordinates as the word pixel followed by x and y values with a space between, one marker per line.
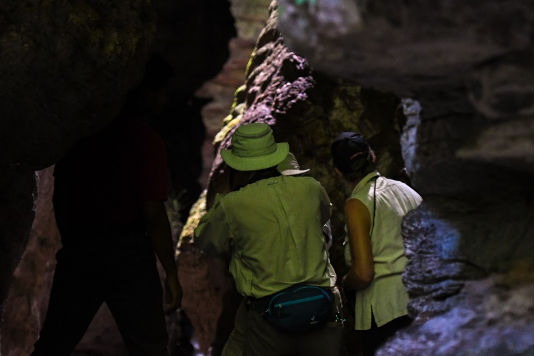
pixel 273 230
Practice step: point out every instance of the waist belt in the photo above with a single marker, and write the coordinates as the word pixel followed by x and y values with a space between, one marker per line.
pixel 297 309
pixel 261 305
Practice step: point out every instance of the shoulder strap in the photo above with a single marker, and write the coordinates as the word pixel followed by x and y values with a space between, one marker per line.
pixel 374 201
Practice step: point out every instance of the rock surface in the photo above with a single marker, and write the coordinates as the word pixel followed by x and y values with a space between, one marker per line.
pixel 194 37
pixel 27 301
pixel 17 213
pixel 492 316
pixel 465 130
pixel 250 17
pixel 472 60
pixel 26 304
pixel 65 68
pixel 307 110
pixel 467 146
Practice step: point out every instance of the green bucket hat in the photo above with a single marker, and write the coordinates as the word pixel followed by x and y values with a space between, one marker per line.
pixel 254 148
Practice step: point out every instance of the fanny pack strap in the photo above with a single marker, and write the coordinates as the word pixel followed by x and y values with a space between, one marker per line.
pixel 261 305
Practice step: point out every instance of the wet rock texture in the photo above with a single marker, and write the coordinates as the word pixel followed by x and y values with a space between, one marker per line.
pixel 307 110
pixel 468 148
pixel 488 317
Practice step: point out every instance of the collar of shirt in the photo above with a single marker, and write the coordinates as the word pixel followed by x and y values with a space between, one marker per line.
pixel 365 181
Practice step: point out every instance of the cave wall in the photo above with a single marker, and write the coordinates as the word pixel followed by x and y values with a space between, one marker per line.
pixel 468 147
pixel 250 17
pixel 464 72
pixel 66 67
pixel 26 304
pixel 463 130
pixel 194 37
pixel 17 212
pixel 306 109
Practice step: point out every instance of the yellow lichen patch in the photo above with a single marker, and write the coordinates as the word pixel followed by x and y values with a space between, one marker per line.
pixel 226 129
pixel 237 94
pixel 248 67
pixel 196 212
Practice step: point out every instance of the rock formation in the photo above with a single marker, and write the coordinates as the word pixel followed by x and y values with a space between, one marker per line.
pixel 466 137
pixel 443 91
pixel 468 147
pixel 27 302
pixel 307 110
pixel 66 67
pixel 16 217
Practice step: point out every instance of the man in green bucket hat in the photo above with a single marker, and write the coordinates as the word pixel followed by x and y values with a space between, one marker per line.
pixel 271 226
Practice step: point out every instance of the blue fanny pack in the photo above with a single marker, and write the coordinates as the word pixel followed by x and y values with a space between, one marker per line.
pixel 297 309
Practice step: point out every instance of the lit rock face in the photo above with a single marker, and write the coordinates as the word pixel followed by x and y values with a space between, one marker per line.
pixel 250 17
pixel 468 64
pixel 17 212
pixel 27 301
pixel 468 148
pixel 307 110
pixel 488 317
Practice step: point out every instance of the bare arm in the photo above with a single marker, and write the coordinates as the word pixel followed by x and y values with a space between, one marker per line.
pixel 159 231
pixel 358 227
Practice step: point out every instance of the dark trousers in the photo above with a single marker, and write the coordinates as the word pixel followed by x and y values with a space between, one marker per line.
pixel 124 276
pixel 376 336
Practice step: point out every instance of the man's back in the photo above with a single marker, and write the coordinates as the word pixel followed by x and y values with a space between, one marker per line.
pixel 276 235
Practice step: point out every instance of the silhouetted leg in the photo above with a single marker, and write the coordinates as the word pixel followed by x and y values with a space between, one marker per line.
pixel 225 324
pixel 135 301
pixel 74 300
pixel 235 344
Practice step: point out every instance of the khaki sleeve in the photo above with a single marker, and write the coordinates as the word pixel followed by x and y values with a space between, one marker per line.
pixel 212 234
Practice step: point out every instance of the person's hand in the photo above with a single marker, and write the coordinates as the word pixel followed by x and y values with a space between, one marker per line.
pixel 348 281
pixel 173 293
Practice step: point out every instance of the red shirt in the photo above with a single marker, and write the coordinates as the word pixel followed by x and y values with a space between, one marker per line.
pixel 105 178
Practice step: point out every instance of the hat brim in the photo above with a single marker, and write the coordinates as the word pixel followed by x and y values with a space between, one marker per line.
pixel 256 163
pixel 294 172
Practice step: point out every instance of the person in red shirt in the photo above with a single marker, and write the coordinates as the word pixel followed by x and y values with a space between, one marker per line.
pixel 108 199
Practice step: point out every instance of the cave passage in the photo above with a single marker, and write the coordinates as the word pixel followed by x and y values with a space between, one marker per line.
pixel 443 94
